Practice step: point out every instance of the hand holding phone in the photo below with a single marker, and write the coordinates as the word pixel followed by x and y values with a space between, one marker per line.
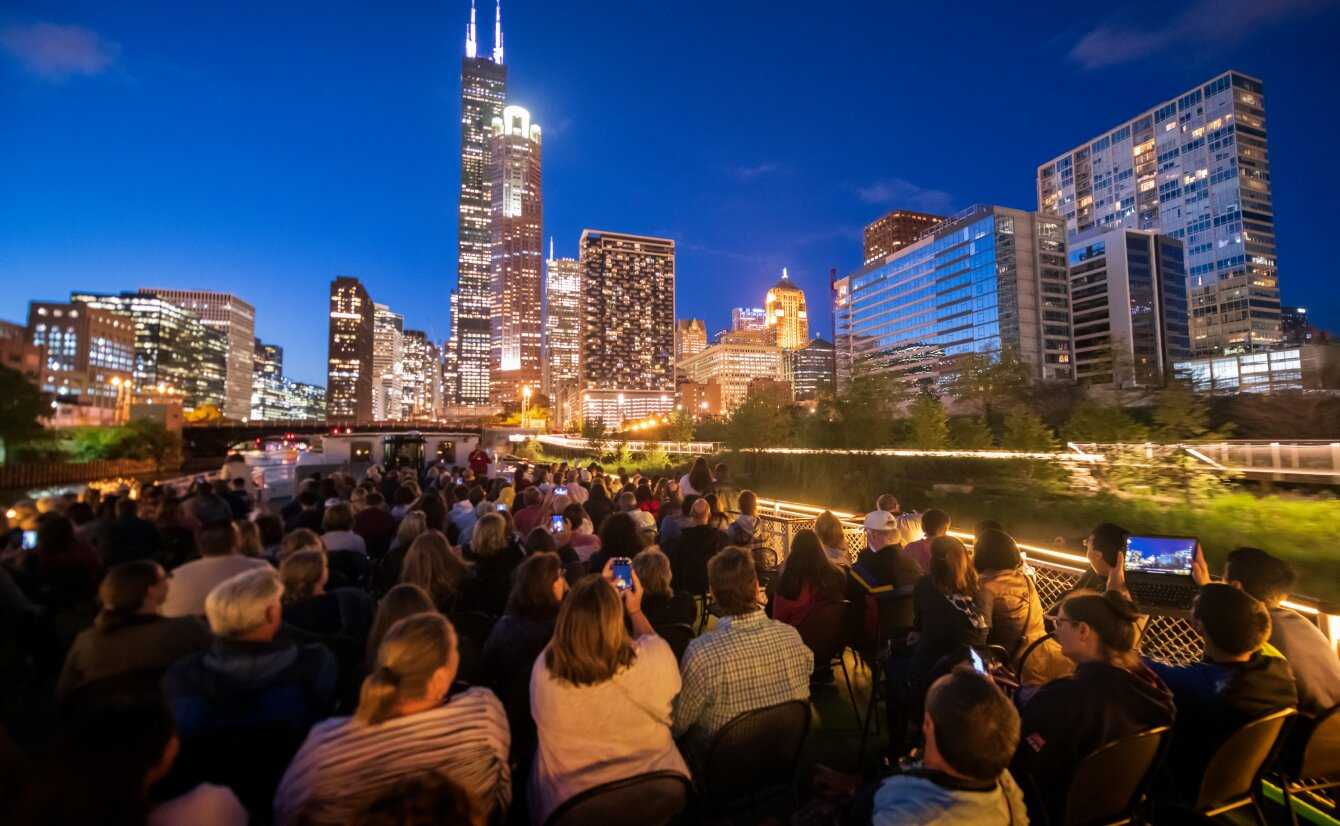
pixel 623 573
pixel 556 524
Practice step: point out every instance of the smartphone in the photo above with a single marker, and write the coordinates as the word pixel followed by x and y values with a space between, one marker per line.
pixel 623 573
pixel 501 506
pixel 977 662
pixel 29 540
pixel 556 523
pixel 561 490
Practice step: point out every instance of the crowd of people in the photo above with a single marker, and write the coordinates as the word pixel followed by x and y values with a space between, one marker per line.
pixel 437 646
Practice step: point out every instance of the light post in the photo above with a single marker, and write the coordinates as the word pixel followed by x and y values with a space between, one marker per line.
pixel 525 404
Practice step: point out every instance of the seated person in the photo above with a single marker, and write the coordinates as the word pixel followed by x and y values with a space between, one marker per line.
pixel 747 662
pixel 1016 609
pixel 833 537
pixel 219 560
pixel 307 604
pixel 1102 547
pixel 970 731
pixel 1239 679
pixel 337 530
pixel 952 610
pixel 495 557
pixel 422 800
pixel 880 570
pixel 405 725
pixel 1316 669
pixel 934 523
pixel 601 698
pixel 1111 695
pixel 698 542
pixel 808 579
pixel 662 604
pixel 130 635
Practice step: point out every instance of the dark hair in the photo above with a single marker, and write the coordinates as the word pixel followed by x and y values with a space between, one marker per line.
pixel 987 525
pixel 374 499
pixel 1109 540
pixel 734 580
pixel 404 495
pixel 643 493
pixel 123 591
pixel 619 536
pixel 532 594
pixel 532 496
pixel 700 478
pixel 808 564
pixel 1233 621
pixel 1265 577
pixel 951 572
pixel 475 495
pixel 1112 616
pixel 748 503
pixel 686 505
pixel 217 539
pixel 976 726
pixel 55 534
pixel 434 511
pixel 125 506
pixel 933 521
pixel 423 799
pixel 80 513
pixel 308 498
pixel 995 551
pixel 575 514
pixel 271 529
pixel 540 541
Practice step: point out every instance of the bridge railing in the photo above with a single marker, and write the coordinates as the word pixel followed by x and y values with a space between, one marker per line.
pixel 1169 637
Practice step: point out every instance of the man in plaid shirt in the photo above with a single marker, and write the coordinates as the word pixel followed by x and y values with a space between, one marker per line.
pixel 747 662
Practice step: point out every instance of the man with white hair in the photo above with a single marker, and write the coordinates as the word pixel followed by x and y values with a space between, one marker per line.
pixel 250 680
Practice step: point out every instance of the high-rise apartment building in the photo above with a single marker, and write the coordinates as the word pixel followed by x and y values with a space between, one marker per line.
pixel 690 337
pixel 176 355
pixel 748 318
pixel 810 370
pixel 517 218
pixel 985 280
pixel 388 329
pixel 786 315
pixel 890 233
pixel 628 328
pixel 304 401
pixel 1128 301
pixel 733 366
pixel 422 377
pixel 1297 327
pixel 349 351
pixel 269 401
pixel 561 348
pixel 1195 167
pixel 483 95
pixel 236 319
pixel 90 361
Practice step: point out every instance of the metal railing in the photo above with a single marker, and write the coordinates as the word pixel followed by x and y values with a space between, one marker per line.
pixel 1168 637
pixel 673 448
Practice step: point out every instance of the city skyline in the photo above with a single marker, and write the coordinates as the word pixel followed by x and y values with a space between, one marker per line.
pixel 221 248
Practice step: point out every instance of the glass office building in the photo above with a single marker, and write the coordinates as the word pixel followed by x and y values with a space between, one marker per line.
pixel 985 280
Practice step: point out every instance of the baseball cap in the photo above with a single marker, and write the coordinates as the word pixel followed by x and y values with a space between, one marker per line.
pixel 645 521
pixel 880 521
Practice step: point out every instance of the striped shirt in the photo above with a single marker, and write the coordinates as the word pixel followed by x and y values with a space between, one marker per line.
pixel 344 765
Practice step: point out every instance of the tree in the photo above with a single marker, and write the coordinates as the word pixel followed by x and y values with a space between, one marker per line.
pixel 928 423
pixel 145 439
pixel 970 433
pixel 1181 415
pixel 680 426
pixel 20 408
pixel 1102 423
pixel 593 429
pixel 205 413
pixel 1025 430
pixel 863 414
pixel 759 422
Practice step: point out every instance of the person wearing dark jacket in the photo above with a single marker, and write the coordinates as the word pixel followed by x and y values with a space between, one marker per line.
pixel 1111 695
pixel 244 705
pixel 375 524
pixel 662 604
pixel 130 636
pixel 495 556
pixel 1240 678
pixel 130 537
pixel 698 542
pixel 952 610
pixel 598 505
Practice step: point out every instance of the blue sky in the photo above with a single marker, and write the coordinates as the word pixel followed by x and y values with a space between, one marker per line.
pixel 265 148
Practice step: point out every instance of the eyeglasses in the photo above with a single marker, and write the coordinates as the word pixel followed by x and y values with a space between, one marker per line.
pixel 1057 619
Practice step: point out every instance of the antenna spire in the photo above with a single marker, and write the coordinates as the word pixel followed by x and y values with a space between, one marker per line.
pixel 551 248
pixel 471 44
pixel 497 33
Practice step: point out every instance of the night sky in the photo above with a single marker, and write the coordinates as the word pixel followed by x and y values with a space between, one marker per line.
pixel 264 150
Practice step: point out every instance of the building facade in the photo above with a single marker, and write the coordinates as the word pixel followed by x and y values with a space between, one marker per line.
pixel 1297 327
pixel 483 95
pixel 90 361
pixel 700 399
pixel 517 219
pixel 690 337
pixel 388 329
pixel 304 401
pixel 985 280
pixel 1129 307
pixel 18 354
pixel 748 318
pixel 561 346
pixel 1195 167
pixel 810 369
pixel 421 396
pixel 349 351
pixel 1308 367
pixel 628 325
pixel 786 315
pixel 269 402
pixel 236 320
pixel 890 233
pixel 733 367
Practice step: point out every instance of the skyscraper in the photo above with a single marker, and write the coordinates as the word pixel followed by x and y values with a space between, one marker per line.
pixel 422 377
pixel 517 218
pixel 483 94
pixel 1128 290
pixel 748 318
pixel 733 367
pixel 562 343
pixel 349 361
pixel 786 315
pixel 387 363
pixel 268 398
pixel 1195 167
pixel 690 338
pixel 891 232
pixel 236 319
pixel 628 329
pixel 985 280
pixel 90 359
pixel 810 370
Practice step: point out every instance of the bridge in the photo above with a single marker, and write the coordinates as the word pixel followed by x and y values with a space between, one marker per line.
pixel 202 439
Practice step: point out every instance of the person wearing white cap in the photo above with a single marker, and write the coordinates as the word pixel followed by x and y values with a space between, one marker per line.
pixel 888 525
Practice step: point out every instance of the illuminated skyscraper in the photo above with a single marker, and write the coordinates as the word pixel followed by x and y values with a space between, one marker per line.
pixel 562 352
pixel 891 232
pixel 690 338
pixel 483 95
pixel 517 218
pixel 421 396
pixel 786 314
pixel 748 318
pixel 349 361
pixel 236 319
pixel 628 329
pixel 387 364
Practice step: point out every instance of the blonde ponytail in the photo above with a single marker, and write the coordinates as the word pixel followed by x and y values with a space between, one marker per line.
pixel 411 652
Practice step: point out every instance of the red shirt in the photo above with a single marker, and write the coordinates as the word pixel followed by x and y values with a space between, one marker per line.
pixel 479 462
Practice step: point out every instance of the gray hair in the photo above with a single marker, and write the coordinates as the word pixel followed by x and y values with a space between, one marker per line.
pixel 237 605
pixel 653 571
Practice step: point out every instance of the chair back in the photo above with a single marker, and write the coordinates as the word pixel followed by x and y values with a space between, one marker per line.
pixel 678 635
pixel 477 625
pixel 1109 783
pixel 1321 754
pixel 825 630
pixel 754 753
pixel 653 799
pixel 348 569
pixel 897 614
pixel 1235 768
